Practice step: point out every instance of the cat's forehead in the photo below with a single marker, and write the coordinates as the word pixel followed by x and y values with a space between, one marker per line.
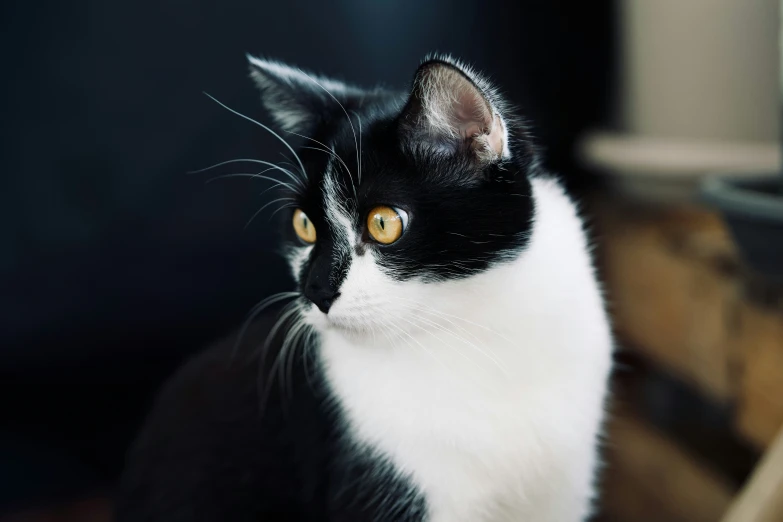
pixel 368 136
pixel 362 161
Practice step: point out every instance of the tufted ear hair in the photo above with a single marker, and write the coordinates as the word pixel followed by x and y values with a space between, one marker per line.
pixel 451 110
pixel 302 102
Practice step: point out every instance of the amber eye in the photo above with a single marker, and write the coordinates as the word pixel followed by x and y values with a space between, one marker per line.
pixel 386 224
pixel 304 227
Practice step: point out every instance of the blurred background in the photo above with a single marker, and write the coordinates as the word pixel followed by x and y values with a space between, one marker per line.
pixel 116 264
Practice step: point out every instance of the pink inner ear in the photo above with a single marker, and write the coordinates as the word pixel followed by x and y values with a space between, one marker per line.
pixel 470 112
pixel 496 136
pixel 472 118
pixel 450 109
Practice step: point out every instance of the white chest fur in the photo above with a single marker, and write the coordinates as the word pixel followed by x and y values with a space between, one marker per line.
pixel 490 396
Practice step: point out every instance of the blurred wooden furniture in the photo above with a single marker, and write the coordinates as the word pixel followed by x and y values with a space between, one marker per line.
pixel 679 296
pixel 681 301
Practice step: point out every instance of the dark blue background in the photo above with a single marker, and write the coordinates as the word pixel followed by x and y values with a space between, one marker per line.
pixel 115 263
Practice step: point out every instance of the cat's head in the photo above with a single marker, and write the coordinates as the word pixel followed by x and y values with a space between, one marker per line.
pixel 399 200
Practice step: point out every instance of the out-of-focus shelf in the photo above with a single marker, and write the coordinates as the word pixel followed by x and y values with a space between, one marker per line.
pixel 670 169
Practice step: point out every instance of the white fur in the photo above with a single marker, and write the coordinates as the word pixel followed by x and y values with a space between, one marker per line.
pixel 337 214
pixel 488 391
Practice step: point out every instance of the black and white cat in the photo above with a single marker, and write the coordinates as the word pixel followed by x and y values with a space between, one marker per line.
pixel 446 354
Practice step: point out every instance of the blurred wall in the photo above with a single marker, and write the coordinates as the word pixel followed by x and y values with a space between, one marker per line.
pixel 700 69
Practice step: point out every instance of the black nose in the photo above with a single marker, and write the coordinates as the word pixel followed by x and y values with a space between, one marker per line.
pixel 321 297
pixel 321 280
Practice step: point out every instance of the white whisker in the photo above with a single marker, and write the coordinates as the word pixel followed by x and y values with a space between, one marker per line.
pixel 355 142
pixel 359 120
pixel 277 182
pixel 429 352
pixel 265 206
pixel 279 209
pixel 268 377
pixel 271 166
pixel 436 337
pixel 273 133
pixel 324 149
pixel 334 155
pixel 462 339
pixel 257 309
pixel 444 314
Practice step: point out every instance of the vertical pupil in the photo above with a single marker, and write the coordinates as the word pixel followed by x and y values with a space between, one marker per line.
pixel 304 222
pixel 380 221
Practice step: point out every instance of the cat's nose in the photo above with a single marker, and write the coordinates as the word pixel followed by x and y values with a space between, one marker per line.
pixel 321 297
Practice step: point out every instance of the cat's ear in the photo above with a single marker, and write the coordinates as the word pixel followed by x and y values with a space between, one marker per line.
pixel 299 101
pixel 451 109
pixel 295 99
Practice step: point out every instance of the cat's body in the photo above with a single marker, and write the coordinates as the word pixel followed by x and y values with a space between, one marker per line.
pixel 455 373
pixel 516 444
